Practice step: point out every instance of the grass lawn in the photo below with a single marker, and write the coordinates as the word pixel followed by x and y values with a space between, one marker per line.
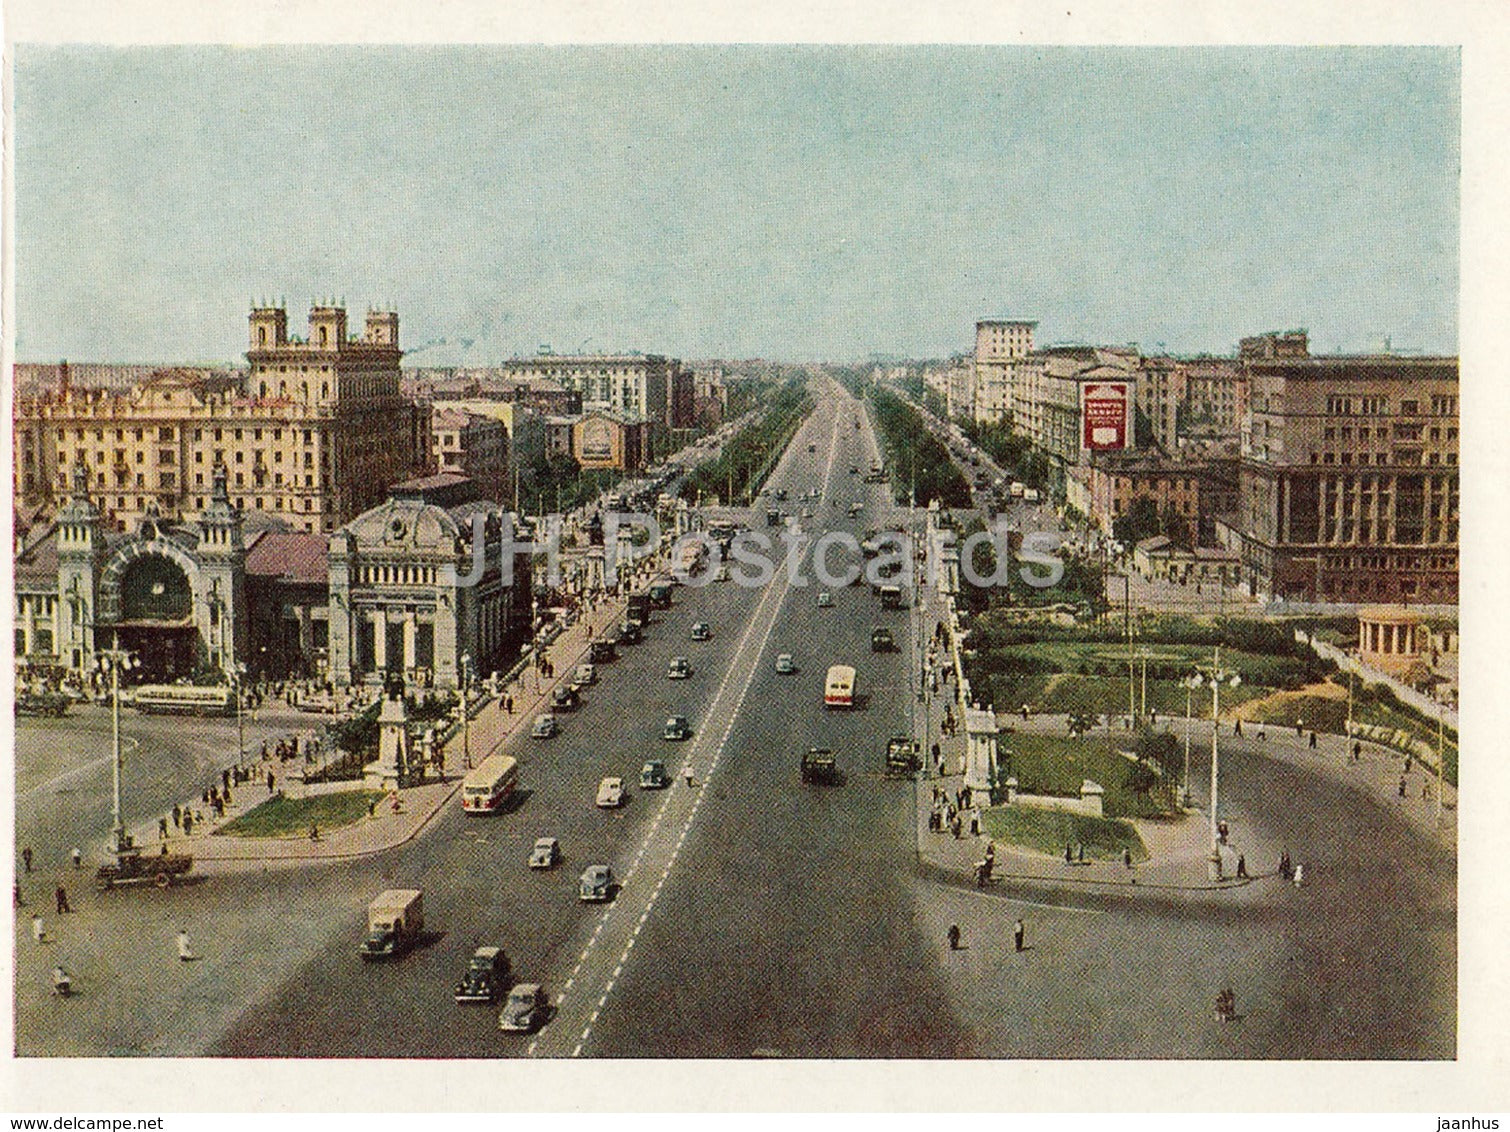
pixel 281 817
pixel 1049 831
pixel 1061 692
pixel 1057 764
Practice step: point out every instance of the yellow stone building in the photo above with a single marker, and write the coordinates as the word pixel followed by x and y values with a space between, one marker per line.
pixel 314 432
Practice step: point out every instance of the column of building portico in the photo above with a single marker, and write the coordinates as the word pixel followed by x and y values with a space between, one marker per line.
pixel 379 622
pixel 409 641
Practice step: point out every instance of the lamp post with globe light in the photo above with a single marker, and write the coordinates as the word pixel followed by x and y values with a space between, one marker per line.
pixel 114 660
pixel 1215 676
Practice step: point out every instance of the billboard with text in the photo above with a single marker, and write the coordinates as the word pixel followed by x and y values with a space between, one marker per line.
pixel 1105 415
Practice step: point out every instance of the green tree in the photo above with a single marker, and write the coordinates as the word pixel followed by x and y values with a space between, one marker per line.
pixel 1176 529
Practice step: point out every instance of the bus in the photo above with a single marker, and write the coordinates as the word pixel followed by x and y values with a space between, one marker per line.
pixel 839 687
pixel 184 699
pixel 488 787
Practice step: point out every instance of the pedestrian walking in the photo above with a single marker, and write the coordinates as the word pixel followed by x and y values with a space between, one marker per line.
pixel 1127 857
pixel 61 898
pixel 953 936
pixel 314 829
pixel 1237 728
pixel 178 816
pixel 38 930
pixel 225 780
pixel 1313 740
pixel 15 894
pixel 1425 788
pixel 26 857
pixel 687 773
pixel 1299 726
pixel 1300 872
pixel 162 829
pixel 185 948
pixel 188 824
pixel 1019 936
pixel 1080 853
pixel 1069 853
pixel 1402 787
pixel 78 859
pixel 1357 750
pixel 1242 867
pixel 270 782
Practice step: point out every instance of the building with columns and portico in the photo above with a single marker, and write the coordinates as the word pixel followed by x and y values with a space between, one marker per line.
pixel 406 594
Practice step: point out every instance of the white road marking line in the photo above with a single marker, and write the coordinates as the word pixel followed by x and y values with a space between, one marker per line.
pixel 742 649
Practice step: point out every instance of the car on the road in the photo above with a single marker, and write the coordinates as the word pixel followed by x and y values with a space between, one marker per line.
pixel 854 469
pixel 676 728
pixel 596 884
pixel 610 793
pixel 586 674
pixel 678 669
pixel 881 640
pixel 785 665
pixel 544 728
pixel 825 600
pixel 486 976
pixel 653 775
pixel 546 853
pixel 721 574
pixel 525 1009
pixel 41 703
pixel 812 448
pixel 855 509
pixel 565 698
pixel 701 631
pixel 630 633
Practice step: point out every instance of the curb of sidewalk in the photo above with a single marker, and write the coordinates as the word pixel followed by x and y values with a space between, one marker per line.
pixel 964 878
pixel 355 854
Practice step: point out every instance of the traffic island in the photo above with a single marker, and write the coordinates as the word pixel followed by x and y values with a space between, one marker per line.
pixel 284 817
pixel 1080 837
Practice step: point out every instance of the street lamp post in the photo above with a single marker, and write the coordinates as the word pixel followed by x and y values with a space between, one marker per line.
pixel 1191 683
pixel 1216 676
pixel 115 659
pixel 240 673
pixel 466 710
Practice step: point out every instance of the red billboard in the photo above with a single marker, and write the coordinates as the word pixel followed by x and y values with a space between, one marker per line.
pixel 1105 415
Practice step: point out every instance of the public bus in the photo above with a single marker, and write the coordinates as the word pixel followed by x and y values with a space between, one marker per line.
pixel 489 786
pixel 839 687
pixel 184 699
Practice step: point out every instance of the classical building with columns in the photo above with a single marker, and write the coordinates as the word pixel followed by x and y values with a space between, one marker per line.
pixel 1348 484
pixel 406 594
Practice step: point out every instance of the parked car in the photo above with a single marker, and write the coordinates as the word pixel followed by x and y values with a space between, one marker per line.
pixel 545 727
pixel 678 669
pixel 676 727
pixel 486 976
pixel 586 674
pixel 701 631
pixel 526 1008
pixel 596 884
pixel 546 854
pixel 825 600
pixel 630 633
pixel 653 775
pixel 785 666
pixel 565 698
pixel 611 793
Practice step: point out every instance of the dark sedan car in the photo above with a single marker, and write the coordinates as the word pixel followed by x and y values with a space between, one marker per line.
pixel 486 976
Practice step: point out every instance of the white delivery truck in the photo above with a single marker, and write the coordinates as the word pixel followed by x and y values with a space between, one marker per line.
pixel 394 922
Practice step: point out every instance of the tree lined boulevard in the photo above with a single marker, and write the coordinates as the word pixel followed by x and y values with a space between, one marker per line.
pixel 758 916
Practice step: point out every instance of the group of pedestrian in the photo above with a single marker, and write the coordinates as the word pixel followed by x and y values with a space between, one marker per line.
pixel 1289 871
pixel 1019 937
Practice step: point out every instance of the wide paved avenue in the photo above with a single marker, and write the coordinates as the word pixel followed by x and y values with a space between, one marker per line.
pixel 762 917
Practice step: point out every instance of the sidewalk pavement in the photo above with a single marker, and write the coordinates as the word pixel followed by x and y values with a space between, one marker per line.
pixel 386 828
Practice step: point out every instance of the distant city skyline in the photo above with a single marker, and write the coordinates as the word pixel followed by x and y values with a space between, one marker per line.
pixel 792 203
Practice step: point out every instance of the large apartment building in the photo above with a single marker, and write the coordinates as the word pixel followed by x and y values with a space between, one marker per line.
pixel 999 343
pixel 638 387
pixel 1348 482
pixel 314 432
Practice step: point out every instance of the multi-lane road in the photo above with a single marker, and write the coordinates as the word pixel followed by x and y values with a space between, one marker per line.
pixel 758 916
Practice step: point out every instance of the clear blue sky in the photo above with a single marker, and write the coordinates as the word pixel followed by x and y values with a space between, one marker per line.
pixel 796 203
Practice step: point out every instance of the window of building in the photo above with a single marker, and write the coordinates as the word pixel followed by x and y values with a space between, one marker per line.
pixel 1409 408
pixel 1327 458
pixel 240 479
pixel 217 434
pixel 141 457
